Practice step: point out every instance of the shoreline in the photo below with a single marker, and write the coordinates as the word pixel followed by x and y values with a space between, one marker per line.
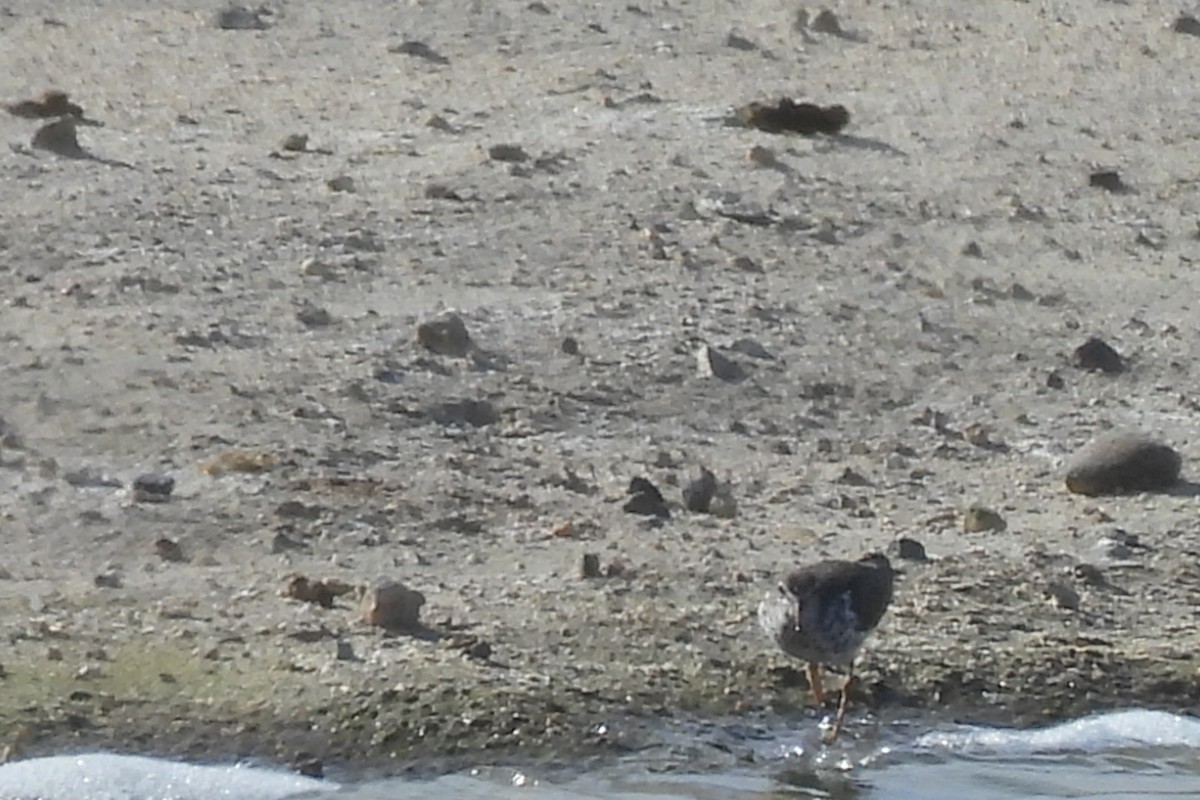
pixel 427 727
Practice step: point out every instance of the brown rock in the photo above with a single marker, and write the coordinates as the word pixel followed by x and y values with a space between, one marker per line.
pixel 238 461
pixel 394 606
pixel 1122 462
pixel 977 519
pixel 322 593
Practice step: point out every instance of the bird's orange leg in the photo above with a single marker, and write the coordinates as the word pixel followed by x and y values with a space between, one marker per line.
pixel 843 702
pixel 813 671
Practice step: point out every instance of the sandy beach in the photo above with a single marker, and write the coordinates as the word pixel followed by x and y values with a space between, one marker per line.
pixel 893 312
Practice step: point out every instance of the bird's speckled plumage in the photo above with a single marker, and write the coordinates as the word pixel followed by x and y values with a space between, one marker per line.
pixel 823 613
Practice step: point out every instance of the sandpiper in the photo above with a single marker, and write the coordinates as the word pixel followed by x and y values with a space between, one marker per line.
pixel 822 613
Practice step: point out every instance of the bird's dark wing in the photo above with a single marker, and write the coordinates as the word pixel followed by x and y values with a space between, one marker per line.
pixel 869 586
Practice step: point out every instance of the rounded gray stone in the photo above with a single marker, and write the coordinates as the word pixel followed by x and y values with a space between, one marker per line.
pixel 1122 462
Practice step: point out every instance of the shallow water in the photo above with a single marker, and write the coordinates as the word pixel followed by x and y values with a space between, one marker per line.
pixel 1130 754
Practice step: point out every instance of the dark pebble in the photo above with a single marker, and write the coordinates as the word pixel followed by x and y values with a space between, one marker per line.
pixel 698 495
pixel 909 549
pixel 1109 180
pixel 645 499
pixel 1097 355
pixel 590 567
pixel 153 487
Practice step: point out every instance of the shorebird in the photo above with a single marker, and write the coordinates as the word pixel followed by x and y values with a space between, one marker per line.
pixel 822 614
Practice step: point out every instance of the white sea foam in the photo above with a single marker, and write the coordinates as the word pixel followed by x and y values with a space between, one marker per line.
pixel 101 776
pixel 977 763
pixel 1118 730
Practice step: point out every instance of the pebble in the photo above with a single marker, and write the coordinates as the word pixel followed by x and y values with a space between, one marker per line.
pixel 295 142
pixel 240 18
pixel 168 550
pixel 826 22
pixel 295 509
pixel 739 42
pixel 307 764
pixel 590 568
pixel 698 494
pixel 1113 550
pixel 977 434
pixel 342 183
pixel 445 336
pixel 153 487
pixel 1186 24
pixel 480 650
pixel 281 543
pixel 788 116
pixel 645 499
pixel 977 519
pixel 475 413
pixel 394 606
pixel 1096 355
pixel 1122 461
pixel 312 316
pixel 711 363
pixel 1089 574
pixel 723 504
pixel 1062 596
pixel 87 478
pixel 752 348
pixel 108 580
pixel 764 157
pixel 321 593
pixel 909 549
pixel 238 461
pixel 419 49
pixel 1109 180
pixel 509 153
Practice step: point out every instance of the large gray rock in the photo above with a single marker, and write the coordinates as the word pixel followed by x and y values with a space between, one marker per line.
pixel 1122 462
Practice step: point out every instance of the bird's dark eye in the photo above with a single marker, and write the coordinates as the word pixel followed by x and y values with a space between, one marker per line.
pixel 783 590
